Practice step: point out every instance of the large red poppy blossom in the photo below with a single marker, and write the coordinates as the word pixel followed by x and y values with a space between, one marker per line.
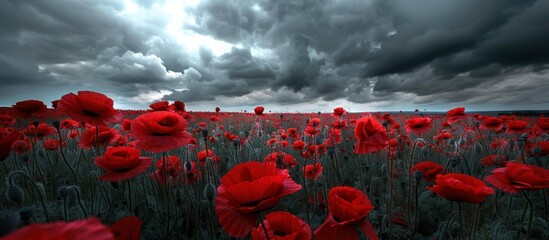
pixel 313 171
pixel 518 176
pixel 160 106
pixel 461 187
pixel 456 114
pixel 106 136
pixel 339 111
pixel 29 108
pixel 419 125
pixel 282 225
pixel 160 131
pixel 370 134
pixel 429 169
pixel 491 123
pixel 517 127
pixel 259 110
pixel 127 228
pixel 126 124
pixel 8 136
pixel 122 163
pixel 90 107
pixel 349 208
pixel 85 229
pixel 293 133
pixel 246 190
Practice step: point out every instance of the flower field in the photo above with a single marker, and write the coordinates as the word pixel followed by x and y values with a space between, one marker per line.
pixel 84 170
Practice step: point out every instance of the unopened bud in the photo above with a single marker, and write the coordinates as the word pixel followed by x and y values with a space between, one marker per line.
pixel 478 147
pixel 209 192
pixel 26 213
pixel 418 175
pixel 15 194
pixel 9 220
pixel 536 150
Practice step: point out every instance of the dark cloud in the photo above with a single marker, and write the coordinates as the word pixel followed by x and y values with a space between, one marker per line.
pixel 375 52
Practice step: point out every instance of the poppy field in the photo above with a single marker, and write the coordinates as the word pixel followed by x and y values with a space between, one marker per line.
pixel 81 169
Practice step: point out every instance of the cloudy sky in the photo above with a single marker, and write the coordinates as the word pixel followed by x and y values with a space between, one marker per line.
pixel 302 55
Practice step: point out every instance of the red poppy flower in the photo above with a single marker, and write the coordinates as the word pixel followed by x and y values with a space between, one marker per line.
pixel 419 125
pixel 8 136
pixel 314 122
pixel 54 103
pixel 106 136
pixel 370 134
pixel 160 106
pixel 259 110
pixel 52 144
pixel 282 225
pixel 85 229
pixel 90 107
pixel 160 131
pixel 6 120
pixel 40 131
pixel 339 111
pixel 247 189
pixel 68 124
pixel 461 187
pixel 543 124
pixel 177 106
pixel 29 108
pixel 349 207
pixel 517 127
pixel 455 114
pixel 429 169
pixel 299 145
pixel 518 176
pixel 293 133
pixel 313 171
pixel 492 123
pixel 202 155
pixel 122 163
pixel 127 228
pixel 493 160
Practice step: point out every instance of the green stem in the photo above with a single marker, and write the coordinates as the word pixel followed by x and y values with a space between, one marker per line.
pixel 530 215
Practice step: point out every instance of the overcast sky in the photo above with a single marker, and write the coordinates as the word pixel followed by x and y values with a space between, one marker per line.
pixel 302 55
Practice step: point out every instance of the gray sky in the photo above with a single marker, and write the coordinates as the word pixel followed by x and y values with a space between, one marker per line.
pixel 303 55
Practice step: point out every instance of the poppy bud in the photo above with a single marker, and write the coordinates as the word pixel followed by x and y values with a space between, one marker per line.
pixel 511 143
pixel 188 166
pixel 462 141
pixel 209 192
pixel 9 220
pixel 35 124
pixel 62 191
pixel 478 147
pixel 331 151
pixel 524 136
pixel 281 116
pixel 41 153
pixel 536 150
pixel 15 194
pixel 56 124
pixel 418 175
pixel 383 168
pixel 26 213
pixel 259 133
pixel 246 133
pixel 425 151
pixel 204 133
pixel 452 142
pixel 25 158
pixel 236 143
pixel 115 184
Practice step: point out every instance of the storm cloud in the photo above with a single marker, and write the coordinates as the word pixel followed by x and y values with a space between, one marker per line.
pixel 287 55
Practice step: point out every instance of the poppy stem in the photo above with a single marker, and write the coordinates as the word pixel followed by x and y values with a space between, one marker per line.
pixel 261 221
pixel 460 220
pixel 530 215
pixel 97 140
